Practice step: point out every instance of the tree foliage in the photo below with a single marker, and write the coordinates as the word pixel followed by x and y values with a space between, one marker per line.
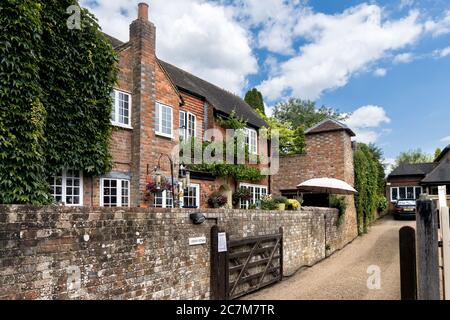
pixel 291 141
pixel 412 157
pixel 55 99
pixel 255 99
pixel 370 196
pixel 437 152
pixel 297 113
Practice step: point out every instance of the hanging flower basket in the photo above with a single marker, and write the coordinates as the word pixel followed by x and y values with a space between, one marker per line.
pixel 152 187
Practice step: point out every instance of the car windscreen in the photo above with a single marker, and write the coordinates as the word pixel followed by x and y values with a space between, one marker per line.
pixel 411 203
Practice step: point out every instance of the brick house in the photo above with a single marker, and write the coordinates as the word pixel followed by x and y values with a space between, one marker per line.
pixel 154 103
pixel 329 153
pixel 408 181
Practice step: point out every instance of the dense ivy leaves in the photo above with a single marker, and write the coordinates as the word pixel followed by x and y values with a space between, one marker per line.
pixel 370 183
pixel 22 115
pixel 55 86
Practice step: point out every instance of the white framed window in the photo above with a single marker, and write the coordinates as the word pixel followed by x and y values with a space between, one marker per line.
pixel 67 187
pixel 409 192
pixel 121 113
pixel 163 120
pixel 114 192
pixel 188 125
pixel 256 191
pixel 191 196
pixel 251 140
pixel 163 199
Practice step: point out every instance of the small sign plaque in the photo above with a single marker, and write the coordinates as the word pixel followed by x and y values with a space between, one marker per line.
pixel 197 241
pixel 222 242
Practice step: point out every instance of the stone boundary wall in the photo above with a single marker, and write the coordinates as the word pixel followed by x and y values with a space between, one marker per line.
pixel 55 252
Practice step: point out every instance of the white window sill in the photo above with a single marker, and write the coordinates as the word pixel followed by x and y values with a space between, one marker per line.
pixel 165 135
pixel 120 125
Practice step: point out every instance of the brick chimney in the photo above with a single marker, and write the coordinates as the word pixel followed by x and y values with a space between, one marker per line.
pixel 144 64
pixel 143 11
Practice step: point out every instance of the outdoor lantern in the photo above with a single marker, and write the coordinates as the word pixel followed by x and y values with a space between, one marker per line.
pixel 158 177
pixel 188 178
pixel 182 171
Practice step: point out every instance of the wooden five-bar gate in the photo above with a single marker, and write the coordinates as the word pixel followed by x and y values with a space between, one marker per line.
pixel 242 266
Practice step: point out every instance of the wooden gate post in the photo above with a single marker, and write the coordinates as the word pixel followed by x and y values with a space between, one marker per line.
pixel 408 271
pixel 218 268
pixel 427 250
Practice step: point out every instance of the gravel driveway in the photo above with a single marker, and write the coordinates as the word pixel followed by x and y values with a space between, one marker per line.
pixel 344 275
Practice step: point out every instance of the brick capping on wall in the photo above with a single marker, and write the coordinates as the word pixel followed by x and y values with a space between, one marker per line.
pixel 53 252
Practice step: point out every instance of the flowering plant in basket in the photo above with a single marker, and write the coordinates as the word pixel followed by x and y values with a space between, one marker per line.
pixel 152 187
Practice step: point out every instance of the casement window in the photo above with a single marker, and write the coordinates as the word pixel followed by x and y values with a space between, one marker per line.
pixel 163 120
pixel 251 140
pixel 114 192
pixel 163 199
pixel 188 125
pixel 67 187
pixel 412 193
pixel 257 193
pixel 191 196
pixel 121 113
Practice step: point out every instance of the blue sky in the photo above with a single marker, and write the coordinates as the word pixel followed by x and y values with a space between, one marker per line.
pixel 386 62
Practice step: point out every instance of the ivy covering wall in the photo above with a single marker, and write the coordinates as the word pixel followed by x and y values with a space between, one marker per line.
pixel 370 197
pixel 55 102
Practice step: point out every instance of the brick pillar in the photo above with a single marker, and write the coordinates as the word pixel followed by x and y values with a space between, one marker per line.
pixel 142 39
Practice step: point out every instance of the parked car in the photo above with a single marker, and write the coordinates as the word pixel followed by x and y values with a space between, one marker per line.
pixel 405 209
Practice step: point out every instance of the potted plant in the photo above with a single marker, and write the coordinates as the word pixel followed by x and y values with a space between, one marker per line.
pixel 293 204
pixel 267 203
pixel 217 200
pixel 281 202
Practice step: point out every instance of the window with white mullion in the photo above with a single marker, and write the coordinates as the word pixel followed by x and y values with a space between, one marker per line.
pixel 251 140
pixel 163 199
pixel 163 120
pixel 191 196
pixel 115 193
pixel 188 125
pixel 406 192
pixel 121 113
pixel 67 187
pixel 257 192
pixel 182 125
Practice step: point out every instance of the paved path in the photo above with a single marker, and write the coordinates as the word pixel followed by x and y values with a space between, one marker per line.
pixel 344 275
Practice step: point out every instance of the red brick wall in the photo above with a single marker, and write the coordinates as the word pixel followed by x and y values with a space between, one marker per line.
pixel 328 154
pixel 134 149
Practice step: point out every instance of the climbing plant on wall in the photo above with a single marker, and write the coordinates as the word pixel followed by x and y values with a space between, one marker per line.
pixel 22 115
pixel 367 182
pixel 55 86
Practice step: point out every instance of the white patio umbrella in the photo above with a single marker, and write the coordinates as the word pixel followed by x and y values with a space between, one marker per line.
pixel 326 185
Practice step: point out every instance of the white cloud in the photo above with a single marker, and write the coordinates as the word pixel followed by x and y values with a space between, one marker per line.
pixel 380 72
pixel 275 20
pixel 446 139
pixel 403 58
pixel 389 164
pixel 366 121
pixel 339 46
pixel 442 53
pixel 439 27
pixel 368 117
pixel 198 36
pixel 406 3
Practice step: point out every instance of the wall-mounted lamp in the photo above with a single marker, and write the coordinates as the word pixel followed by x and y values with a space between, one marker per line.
pixel 199 218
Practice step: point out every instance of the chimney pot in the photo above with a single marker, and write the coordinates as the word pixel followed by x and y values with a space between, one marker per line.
pixel 143 11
